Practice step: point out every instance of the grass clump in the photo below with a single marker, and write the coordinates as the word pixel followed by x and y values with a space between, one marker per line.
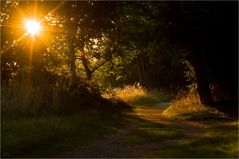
pixel 188 106
pixel 138 95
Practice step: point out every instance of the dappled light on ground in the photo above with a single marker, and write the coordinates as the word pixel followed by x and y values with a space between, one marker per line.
pixel 205 134
pixel 154 114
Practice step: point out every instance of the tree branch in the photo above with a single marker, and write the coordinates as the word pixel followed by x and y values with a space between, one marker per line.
pixel 98 66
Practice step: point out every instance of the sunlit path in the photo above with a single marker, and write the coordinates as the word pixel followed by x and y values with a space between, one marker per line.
pixel 122 143
pixel 115 145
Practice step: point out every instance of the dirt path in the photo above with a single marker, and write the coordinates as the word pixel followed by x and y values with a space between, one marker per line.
pixel 113 147
pixel 190 129
pixel 107 147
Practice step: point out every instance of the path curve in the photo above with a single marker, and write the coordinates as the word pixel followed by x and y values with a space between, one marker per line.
pixel 111 147
pixel 190 129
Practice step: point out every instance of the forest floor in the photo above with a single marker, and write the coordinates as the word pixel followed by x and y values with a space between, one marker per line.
pixel 149 134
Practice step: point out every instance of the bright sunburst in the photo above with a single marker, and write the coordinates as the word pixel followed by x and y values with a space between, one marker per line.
pixel 32 26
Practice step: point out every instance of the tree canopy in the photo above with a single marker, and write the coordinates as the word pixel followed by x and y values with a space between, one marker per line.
pixel 114 43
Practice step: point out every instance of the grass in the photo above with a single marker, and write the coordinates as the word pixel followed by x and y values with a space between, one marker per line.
pixel 44 120
pixel 219 142
pixel 189 107
pixel 25 100
pixel 43 137
pixel 138 95
pixel 148 132
pixel 22 99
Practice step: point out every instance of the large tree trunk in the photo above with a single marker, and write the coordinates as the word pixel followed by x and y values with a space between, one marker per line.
pixel 184 36
pixel 203 87
pixel 199 64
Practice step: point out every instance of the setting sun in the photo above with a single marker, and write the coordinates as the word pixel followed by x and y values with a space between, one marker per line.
pixel 32 26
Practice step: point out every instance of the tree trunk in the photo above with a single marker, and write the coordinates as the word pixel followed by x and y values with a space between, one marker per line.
pixel 71 48
pixel 86 66
pixel 203 87
pixel 195 47
pixel 198 62
pixel 139 72
pixel 140 69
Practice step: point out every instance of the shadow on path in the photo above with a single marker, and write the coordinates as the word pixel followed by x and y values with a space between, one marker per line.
pixel 114 145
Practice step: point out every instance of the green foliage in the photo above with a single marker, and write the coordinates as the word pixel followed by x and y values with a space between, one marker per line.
pixel 122 42
pixel 104 48
pixel 156 60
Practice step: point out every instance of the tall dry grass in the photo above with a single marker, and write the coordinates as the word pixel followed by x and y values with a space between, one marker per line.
pixel 129 93
pixel 23 99
pixel 187 105
pixel 138 95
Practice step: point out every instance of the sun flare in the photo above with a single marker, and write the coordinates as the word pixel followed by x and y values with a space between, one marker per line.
pixel 32 26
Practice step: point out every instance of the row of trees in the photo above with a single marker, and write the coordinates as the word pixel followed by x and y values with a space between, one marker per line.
pixel 114 43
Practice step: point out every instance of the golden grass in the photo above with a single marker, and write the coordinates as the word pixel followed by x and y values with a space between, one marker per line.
pixel 189 106
pixel 138 95
pixel 128 93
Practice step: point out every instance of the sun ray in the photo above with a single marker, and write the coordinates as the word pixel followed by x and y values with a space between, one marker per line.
pixel 22 14
pixel 12 25
pixel 13 44
pixel 56 8
pixel 30 55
